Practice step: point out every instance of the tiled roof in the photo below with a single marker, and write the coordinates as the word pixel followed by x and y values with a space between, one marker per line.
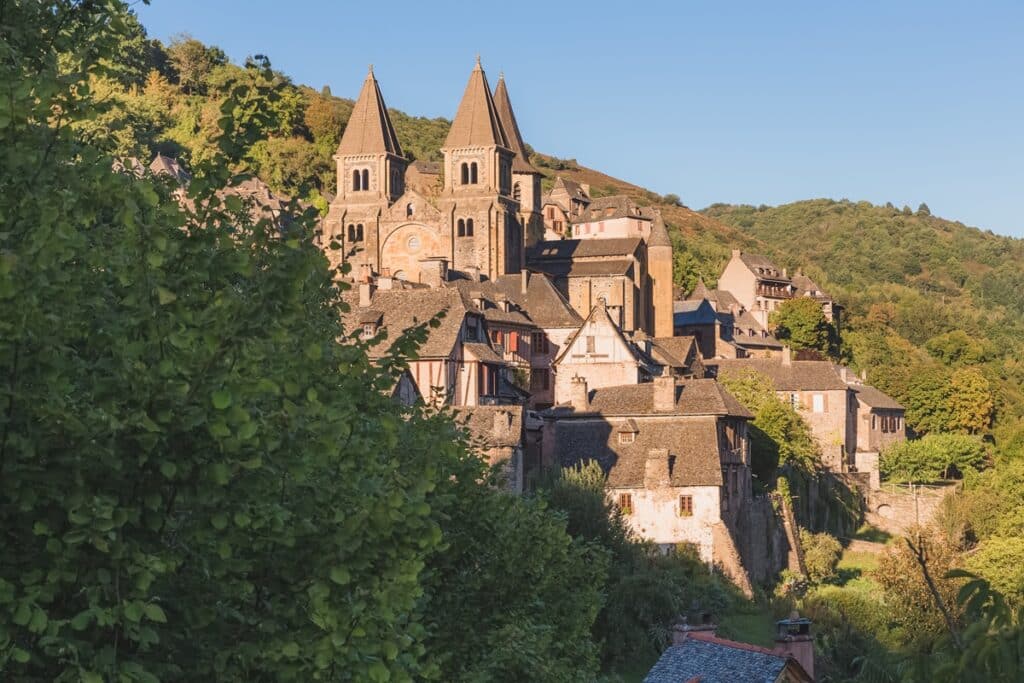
pixel 672 351
pixel 612 207
pixel 482 352
pixel 591 248
pixel 659 233
pixel 573 189
pixel 692 443
pixel 798 375
pixel 875 398
pixel 165 165
pixel 402 309
pixel 476 122
pixel 693 313
pixel 502 102
pixel 716 660
pixel 369 129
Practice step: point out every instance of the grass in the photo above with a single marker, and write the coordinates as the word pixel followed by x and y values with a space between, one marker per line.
pixel 756 628
pixel 872 534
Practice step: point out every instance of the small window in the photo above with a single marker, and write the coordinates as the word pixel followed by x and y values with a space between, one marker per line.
pixel 410 209
pixel 794 401
pixel 539 344
pixel 357 184
pixel 473 174
pixel 464 175
pixel 591 344
pixel 461 228
pixel 469 227
pixel 626 503
pixel 686 506
pixel 369 329
pixel 366 179
pixel 359 232
pixel 517 192
pixel 627 437
pixel 873 421
pixel 818 403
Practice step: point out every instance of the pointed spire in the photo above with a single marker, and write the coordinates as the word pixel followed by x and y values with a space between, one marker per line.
pixel 659 233
pixel 521 162
pixel 700 291
pixel 476 122
pixel 369 129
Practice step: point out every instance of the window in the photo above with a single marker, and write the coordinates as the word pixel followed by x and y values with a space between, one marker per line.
pixel 413 244
pixel 469 227
pixel 873 421
pixel 461 228
pixel 409 210
pixel 794 401
pixel 471 329
pixel 626 503
pixel 517 192
pixel 464 174
pixel 472 174
pixel 540 380
pixel 686 506
pixel 366 179
pixel 627 437
pixel 359 232
pixel 591 344
pixel 551 212
pixel 355 233
pixel 539 344
pixel 368 330
pixel 818 403
pixel 356 181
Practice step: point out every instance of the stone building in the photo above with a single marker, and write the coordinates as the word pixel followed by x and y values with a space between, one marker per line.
pixel 880 424
pixel 566 200
pixel 496 432
pixel 676 454
pixel 723 326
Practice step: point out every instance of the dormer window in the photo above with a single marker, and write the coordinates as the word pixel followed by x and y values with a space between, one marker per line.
pixel 627 437
pixel 369 329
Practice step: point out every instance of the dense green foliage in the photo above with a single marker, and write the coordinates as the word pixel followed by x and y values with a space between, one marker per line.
pixel 932 457
pixel 801 324
pixel 202 477
pixel 821 555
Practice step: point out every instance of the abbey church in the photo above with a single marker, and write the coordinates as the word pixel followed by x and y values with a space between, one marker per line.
pixel 485 222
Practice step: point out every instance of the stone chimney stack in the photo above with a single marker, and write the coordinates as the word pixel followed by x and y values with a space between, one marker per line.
pixel 793 639
pixel 524 280
pixel 864 374
pixel 787 355
pixel 366 290
pixel 683 628
pixel 656 474
pixel 843 374
pixel 478 299
pixel 579 395
pixel 433 271
pixel 664 394
pixel 365 272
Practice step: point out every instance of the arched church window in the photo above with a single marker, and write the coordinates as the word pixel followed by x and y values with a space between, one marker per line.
pixel 461 232
pixel 366 179
pixel 356 181
pixel 517 192
pixel 351 232
pixel 472 174
pixel 465 174
pixel 359 232
pixel 469 227
pixel 409 210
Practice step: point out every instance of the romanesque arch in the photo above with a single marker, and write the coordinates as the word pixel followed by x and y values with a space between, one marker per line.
pixel 406 245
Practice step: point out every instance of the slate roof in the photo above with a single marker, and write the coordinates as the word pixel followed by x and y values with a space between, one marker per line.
pixel 590 248
pixel 693 313
pixel 762 266
pixel 659 233
pixel 369 129
pixel 693 397
pixel 715 660
pixel 673 351
pixel 743 323
pixel 405 308
pixel 482 352
pixel 604 268
pixel 476 123
pixel 692 443
pixel 165 165
pixel 573 189
pixel 798 375
pixel 612 207
pixel 874 398
pixel 542 305
pixel 502 102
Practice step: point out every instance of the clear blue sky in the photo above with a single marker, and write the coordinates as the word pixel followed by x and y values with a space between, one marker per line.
pixel 741 102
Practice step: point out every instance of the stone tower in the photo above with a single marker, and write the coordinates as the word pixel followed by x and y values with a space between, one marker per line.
pixel 371 173
pixel 659 270
pixel 525 178
pixel 480 214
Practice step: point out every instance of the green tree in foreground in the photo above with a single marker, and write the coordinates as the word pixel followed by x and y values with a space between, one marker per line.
pixel 801 323
pixel 932 457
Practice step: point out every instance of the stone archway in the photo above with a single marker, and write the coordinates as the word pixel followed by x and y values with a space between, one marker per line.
pixel 406 245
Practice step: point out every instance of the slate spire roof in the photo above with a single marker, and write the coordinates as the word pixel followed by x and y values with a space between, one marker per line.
pixel 369 129
pixel 659 234
pixel 476 122
pixel 521 162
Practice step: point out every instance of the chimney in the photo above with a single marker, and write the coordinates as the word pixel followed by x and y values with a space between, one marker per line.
pixel 366 290
pixel 843 374
pixel 664 394
pixel 656 474
pixel 478 299
pixel 524 280
pixel 473 273
pixel 365 272
pixel 793 639
pixel 787 355
pixel 502 302
pixel 433 271
pixel 785 273
pixel 579 395
pixel 385 281
pixel 683 628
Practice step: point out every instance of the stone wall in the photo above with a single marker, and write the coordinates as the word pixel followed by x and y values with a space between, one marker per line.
pixel 897 508
pixel 761 539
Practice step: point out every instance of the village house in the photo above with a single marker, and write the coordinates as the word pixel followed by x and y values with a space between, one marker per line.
pixel 880 424
pixel 566 200
pixel 676 454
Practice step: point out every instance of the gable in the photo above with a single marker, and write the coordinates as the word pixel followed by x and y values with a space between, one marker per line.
pixel 422 209
pixel 598 340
